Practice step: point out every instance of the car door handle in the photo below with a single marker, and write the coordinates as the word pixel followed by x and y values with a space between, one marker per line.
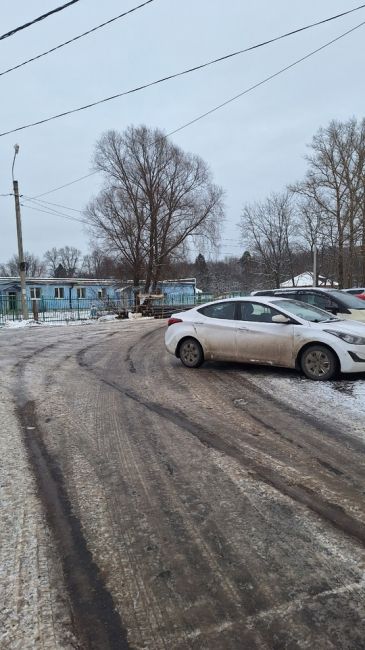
pixel 244 329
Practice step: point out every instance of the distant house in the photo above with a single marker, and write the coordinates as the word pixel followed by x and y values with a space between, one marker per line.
pixel 170 291
pixel 53 293
pixel 57 291
pixel 306 280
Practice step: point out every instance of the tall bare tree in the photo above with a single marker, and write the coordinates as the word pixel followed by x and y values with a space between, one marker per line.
pixel 268 230
pixel 334 187
pixel 155 199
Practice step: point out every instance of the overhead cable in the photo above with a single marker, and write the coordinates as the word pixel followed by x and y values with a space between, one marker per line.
pixel 60 187
pixel 225 103
pixel 76 38
pixel 53 213
pixel 264 81
pixel 38 19
pixel 49 203
pixel 180 74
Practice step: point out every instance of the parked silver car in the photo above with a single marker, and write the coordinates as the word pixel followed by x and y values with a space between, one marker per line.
pixel 268 330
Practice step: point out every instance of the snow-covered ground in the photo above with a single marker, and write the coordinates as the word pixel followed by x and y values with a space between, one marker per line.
pixel 35 611
pixel 20 324
pixel 341 401
pixel 34 605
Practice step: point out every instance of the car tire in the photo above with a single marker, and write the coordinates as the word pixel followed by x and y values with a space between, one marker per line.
pixel 191 353
pixel 319 363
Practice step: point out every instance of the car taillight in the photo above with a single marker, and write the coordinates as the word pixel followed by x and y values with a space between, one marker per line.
pixel 172 321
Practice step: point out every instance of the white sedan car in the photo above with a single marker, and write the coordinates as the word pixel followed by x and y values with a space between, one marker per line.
pixel 272 331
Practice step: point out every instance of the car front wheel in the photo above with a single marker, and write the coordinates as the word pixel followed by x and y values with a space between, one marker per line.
pixel 191 353
pixel 319 363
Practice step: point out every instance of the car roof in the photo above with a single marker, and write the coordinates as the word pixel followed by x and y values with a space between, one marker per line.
pixel 291 289
pixel 265 300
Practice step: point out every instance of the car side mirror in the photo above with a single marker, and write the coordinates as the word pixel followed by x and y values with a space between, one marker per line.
pixel 280 318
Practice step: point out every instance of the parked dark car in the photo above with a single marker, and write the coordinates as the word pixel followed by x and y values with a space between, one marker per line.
pixel 359 292
pixel 337 302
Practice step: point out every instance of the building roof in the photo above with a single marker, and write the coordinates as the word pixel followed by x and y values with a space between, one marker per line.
pixel 58 281
pixel 306 280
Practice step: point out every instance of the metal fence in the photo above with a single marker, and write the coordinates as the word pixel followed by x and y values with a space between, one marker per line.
pixel 61 310
pixel 82 309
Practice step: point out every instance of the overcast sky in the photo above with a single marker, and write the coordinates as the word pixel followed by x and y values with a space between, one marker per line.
pixel 254 146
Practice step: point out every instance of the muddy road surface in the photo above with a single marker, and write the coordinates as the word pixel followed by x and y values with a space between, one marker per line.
pixel 148 506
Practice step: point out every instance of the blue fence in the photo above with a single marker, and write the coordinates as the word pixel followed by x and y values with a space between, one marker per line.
pixel 82 309
pixel 58 310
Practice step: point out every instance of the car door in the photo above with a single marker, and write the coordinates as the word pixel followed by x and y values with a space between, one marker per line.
pixel 261 340
pixel 215 327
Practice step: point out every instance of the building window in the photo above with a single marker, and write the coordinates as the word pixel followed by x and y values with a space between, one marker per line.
pixel 35 293
pixel 81 292
pixel 59 292
pixel 101 293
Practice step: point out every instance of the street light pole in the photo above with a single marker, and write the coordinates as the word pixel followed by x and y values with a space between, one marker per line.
pixel 20 240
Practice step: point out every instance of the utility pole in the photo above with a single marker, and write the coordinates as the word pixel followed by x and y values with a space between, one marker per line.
pixel 20 240
pixel 315 264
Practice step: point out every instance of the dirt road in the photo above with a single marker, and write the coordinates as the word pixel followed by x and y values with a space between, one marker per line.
pixel 149 506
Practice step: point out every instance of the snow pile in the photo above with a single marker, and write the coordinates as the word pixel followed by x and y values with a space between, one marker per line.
pixel 107 317
pixel 21 324
pixel 17 324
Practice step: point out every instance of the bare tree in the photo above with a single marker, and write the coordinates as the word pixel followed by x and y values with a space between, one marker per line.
pixel 52 260
pixel 156 198
pixel 97 264
pixel 69 257
pixel 269 229
pixel 334 189
pixel 34 267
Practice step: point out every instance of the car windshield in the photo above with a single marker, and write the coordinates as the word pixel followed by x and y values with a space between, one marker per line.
pixel 351 302
pixel 307 312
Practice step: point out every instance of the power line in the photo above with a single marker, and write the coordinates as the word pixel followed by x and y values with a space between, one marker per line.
pixel 228 101
pixel 47 203
pixel 185 72
pixel 54 213
pixel 37 20
pixel 264 81
pixel 60 187
pixel 76 38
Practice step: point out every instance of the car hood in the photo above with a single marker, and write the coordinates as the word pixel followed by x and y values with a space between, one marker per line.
pixel 348 326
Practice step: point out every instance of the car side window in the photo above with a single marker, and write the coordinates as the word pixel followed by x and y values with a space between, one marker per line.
pixel 256 312
pixel 220 310
pixel 319 300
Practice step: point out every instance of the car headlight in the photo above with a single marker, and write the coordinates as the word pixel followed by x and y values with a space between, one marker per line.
pixel 349 338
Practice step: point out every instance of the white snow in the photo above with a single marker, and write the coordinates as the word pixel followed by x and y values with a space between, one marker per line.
pixel 341 402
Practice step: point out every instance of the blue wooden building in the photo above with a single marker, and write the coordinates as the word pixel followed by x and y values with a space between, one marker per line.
pixel 56 292
pixel 63 293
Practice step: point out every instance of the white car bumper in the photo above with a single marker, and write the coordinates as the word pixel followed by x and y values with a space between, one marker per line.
pixel 354 359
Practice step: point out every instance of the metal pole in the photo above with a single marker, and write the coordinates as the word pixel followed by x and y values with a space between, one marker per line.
pixel 315 264
pixel 20 251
